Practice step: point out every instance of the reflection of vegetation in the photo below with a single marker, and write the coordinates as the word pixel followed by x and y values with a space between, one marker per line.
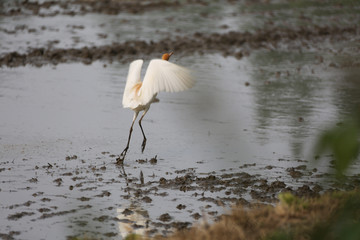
pixel 283 95
pixel 347 91
pixel 280 90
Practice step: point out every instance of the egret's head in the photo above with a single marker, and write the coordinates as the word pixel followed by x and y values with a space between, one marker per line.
pixel 166 56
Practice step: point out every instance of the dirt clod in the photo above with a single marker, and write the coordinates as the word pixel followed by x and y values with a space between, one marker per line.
pixel 165 217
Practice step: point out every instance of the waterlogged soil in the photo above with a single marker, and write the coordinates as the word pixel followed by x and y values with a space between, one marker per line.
pixel 299 31
pixel 82 183
pixel 227 44
pixel 59 176
pixel 79 7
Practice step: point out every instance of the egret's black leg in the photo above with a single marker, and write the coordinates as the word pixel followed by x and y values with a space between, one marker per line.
pixel 144 141
pixel 123 154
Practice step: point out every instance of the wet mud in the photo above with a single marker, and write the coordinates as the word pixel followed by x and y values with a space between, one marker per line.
pixel 211 190
pixel 236 44
pixel 80 7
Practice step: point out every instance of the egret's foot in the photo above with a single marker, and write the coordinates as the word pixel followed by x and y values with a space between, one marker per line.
pixel 153 160
pixel 143 145
pixel 123 154
pixel 121 158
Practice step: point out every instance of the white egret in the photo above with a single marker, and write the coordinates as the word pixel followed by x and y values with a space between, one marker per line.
pixel 161 75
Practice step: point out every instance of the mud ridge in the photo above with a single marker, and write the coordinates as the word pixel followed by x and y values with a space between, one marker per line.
pixel 236 44
pixel 81 7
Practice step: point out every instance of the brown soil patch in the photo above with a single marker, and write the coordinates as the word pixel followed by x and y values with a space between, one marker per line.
pixel 228 44
pixel 111 7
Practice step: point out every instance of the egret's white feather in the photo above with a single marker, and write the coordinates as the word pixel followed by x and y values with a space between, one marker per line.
pixel 160 75
pixel 133 78
pixel 165 76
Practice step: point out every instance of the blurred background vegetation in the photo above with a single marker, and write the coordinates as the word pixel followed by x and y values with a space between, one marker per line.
pixel 342 141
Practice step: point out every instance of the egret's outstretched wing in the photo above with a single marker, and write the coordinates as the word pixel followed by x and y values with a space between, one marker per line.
pixel 162 75
pixel 133 78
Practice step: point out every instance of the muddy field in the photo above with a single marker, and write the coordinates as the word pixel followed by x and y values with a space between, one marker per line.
pixel 88 187
pixel 227 44
pixel 270 77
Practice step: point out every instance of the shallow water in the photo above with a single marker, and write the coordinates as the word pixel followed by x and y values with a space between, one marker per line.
pixel 93 29
pixel 266 109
